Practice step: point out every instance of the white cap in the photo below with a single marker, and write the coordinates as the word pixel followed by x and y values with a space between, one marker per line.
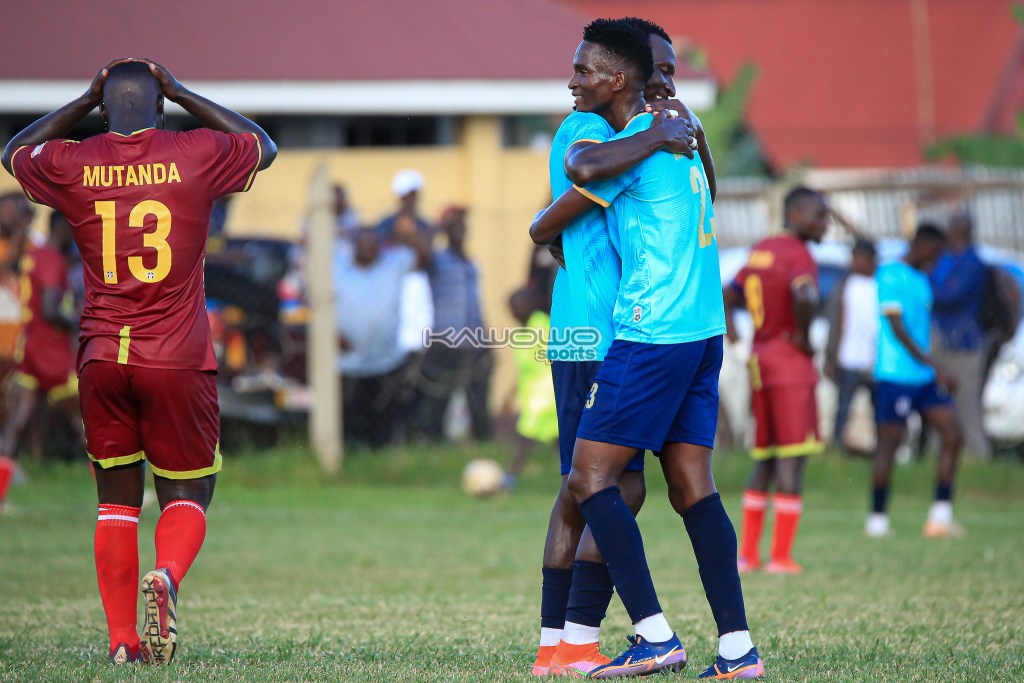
pixel 405 181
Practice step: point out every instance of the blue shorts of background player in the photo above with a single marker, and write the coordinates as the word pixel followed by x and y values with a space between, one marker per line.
pixel 573 381
pixel 894 402
pixel 647 395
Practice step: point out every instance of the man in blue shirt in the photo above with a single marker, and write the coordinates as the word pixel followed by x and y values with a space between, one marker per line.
pixel 958 284
pixel 909 379
pixel 581 332
pixel 657 388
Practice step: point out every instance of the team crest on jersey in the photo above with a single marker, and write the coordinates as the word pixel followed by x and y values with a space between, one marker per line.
pixel 637 314
pixel 37 150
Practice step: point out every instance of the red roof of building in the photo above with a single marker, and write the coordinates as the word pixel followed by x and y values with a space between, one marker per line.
pixel 295 40
pixel 854 83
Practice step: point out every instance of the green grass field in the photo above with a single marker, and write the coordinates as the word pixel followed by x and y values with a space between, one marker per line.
pixel 390 573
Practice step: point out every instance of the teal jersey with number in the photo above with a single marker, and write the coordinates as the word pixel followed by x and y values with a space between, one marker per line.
pixel 584 291
pixel 905 290
pixel 661 223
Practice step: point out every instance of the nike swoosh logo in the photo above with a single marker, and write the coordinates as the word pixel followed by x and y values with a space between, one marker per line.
pixel 730 669
pixel 662 658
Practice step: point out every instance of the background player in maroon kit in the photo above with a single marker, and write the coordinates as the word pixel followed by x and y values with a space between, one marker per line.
pixel 138 200
pixel 779 285
pixel 46 368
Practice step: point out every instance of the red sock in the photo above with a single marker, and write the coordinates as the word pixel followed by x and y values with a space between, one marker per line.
pixel 6 472
pixel 787 518
pixel 117 569
pixel 754 504
pixel 179 536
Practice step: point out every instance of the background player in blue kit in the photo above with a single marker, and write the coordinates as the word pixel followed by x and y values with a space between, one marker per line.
pixel 908 379
pixel 582 303
pixel 658 386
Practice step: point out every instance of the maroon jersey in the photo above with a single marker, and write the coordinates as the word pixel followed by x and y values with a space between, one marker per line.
pixel 42 268
pixel 777 266
pixel 139 206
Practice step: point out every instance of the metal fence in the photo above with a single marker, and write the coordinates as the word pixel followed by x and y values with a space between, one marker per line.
pixel 882 203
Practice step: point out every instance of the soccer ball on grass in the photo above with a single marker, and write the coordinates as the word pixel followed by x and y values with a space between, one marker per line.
pixel 482 477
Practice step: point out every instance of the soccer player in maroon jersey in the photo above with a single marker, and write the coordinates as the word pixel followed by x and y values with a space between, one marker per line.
pixel 138 199
pixel 779 285
pixel 46 368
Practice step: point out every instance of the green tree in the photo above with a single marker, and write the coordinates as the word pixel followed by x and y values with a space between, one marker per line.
pixel 736 150
pixel 985 149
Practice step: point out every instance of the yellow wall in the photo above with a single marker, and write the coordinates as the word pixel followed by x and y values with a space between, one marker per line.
pixel 503 188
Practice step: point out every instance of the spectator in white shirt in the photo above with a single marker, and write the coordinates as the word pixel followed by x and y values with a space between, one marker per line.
pixel 853 337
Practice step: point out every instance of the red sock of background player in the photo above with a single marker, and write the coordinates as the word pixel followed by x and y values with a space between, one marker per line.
pixel 788 508
pixel 754 505
pixel 6 472
pixel 179 536
pixel 117 570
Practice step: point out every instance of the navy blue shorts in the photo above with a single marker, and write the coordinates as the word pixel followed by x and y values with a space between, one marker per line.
pixel 648 395
pixel 573 380
pixel 894 402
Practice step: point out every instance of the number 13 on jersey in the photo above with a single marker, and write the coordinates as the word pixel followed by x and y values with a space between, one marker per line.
pixel 107 211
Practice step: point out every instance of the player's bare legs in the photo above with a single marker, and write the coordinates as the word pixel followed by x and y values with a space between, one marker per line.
pixel 889 437
pixel 24 402
pixel 940 517
pixel 763 475
pixel 692 493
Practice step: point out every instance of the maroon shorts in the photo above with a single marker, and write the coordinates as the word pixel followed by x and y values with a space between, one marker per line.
pixel 787 421
pixel 168 417
pixel 48 370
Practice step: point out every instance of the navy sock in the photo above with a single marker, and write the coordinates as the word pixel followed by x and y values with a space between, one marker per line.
pixel 880 499
pixel 554 595
pixel 714 545
pixel 618 538
pixel 943 492
pixel 591 593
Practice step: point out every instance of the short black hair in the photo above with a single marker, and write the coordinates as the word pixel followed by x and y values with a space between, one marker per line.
pixel 929 232
pixel 796 195
pixel 864 246
pixel 645 26
pixel 625 42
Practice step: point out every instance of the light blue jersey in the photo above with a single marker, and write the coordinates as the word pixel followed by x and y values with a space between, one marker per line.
pixel 906 290
pixel 584 291
pixel 660 220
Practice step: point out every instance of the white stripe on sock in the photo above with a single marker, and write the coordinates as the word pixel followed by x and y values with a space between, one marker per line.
pixel 123 518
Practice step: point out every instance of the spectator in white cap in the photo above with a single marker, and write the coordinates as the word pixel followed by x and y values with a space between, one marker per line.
pixel 406 185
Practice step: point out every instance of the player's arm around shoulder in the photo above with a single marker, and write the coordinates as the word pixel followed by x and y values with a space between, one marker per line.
pixel 588 162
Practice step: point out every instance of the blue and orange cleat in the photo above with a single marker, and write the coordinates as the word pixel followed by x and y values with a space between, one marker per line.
pixel 123 654
pixel 642 658
pixel 747 666
pixel 160 602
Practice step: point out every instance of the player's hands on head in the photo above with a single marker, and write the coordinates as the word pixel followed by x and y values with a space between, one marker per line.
pixel 678 133
pixel 169 85
pixel 95 92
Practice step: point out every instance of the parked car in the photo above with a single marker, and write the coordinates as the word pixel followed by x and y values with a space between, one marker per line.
pixel 261 356
pixel 1003 397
